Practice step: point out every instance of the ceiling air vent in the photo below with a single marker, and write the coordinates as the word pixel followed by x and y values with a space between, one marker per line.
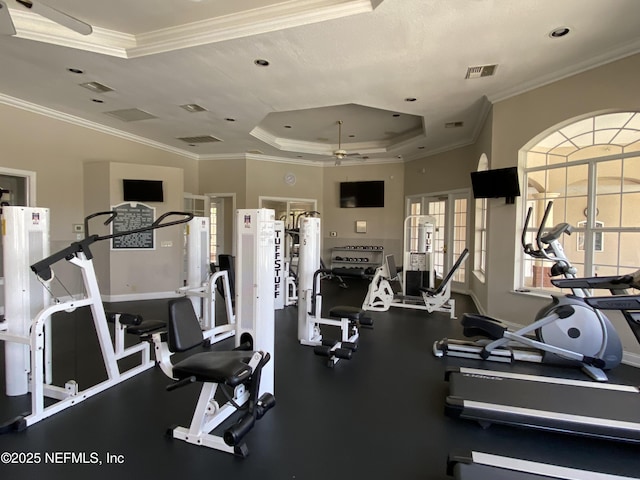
pixel 200 139
pixel 130 115
pixel 481 71
pixel 193 108
pixel 453 124
pixel 96 87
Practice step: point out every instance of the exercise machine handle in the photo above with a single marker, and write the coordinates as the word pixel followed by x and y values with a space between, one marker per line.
pixel 112 216
pixel 527 247
pixel 43 268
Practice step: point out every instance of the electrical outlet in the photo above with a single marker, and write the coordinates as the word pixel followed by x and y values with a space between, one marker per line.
pixel 333 234
pixel 78 228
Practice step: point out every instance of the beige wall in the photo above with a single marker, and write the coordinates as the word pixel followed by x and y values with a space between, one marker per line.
pixel 57 150
pixel 384 225
pixel 267 179
pixel 223 176
pixel 441 172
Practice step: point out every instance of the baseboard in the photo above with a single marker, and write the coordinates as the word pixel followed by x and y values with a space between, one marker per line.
pixel 130 297
pixel 476 302
pixel 631 359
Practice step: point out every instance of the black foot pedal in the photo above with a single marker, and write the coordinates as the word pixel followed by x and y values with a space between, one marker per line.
pixel 322 350
pixel 342 353
pixel 241 451
pixel 18 424
pixel 353 346
pixel 366 322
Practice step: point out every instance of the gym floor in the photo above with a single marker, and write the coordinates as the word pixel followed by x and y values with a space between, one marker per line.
pixel 377 416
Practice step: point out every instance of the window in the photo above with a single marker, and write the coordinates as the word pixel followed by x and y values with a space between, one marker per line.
pixel 480 257
pixel 590 169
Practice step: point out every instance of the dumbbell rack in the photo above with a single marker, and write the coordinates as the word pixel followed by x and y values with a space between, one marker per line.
pixel 360 256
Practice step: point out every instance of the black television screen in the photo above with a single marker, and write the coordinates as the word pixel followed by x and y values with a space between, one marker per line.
pixel 362 194
pixel 501 182
pixel 142 190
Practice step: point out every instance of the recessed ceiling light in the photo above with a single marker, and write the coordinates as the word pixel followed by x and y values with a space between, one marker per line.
pixel 75 70
pixel 261 62
pixel 287 126
pixel 97 100
pixel 410 99
pixel 229 119
pixel 559 32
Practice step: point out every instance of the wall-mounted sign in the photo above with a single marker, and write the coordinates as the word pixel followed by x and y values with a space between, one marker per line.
pixel 132 216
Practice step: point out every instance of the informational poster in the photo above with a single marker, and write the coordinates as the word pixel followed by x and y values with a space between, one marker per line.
pixel 132 216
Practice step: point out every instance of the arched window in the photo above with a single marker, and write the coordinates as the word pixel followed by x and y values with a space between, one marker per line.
pixel 590 169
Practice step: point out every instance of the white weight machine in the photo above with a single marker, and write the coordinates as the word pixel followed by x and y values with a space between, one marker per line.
pixel 310 301
pixel 249 369
pixel 32 333
pixel 25 233
pixel 381 296
pixel 417 281
pixel 201 283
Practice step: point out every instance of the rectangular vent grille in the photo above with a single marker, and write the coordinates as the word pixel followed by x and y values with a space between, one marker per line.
pixel 96 87
pixel 130 115
pixel 193 108
pixel 453 124
pixel 481 71
pixel 200 139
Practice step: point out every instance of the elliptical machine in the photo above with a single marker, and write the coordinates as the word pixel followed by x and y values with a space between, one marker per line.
pixel 566 332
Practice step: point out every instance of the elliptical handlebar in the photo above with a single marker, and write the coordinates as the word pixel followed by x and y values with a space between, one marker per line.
pixel 544 239
pixel 543 223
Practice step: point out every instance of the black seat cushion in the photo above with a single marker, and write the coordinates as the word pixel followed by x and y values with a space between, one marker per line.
pixel 352 313
pixel 219 367
pixel 146 326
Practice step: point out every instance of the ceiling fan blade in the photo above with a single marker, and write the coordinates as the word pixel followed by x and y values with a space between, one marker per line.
pixel 57 16
pixel 6 25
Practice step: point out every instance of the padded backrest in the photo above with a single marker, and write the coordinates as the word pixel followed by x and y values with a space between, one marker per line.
pixel 184 330
pixel 461 259
pixel 227 262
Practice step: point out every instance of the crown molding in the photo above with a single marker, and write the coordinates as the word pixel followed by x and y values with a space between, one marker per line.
pixel 282 16
pixel 72 119
pixel 596 61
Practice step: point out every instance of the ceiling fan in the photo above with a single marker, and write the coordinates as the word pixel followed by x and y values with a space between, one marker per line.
pixel 7 27
pixel 341 154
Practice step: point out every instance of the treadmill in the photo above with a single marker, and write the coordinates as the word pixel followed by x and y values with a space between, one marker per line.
pixel 481 466
pixel 605 411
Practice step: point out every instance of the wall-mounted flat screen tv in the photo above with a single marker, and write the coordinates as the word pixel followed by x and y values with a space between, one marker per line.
pixel 362 194
pixel 142 190
pixel 497 183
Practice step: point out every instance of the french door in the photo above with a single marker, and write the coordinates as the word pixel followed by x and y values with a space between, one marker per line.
pixel 450 238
